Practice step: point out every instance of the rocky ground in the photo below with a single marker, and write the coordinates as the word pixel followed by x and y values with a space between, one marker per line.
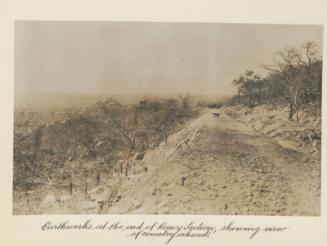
pixel 226 167
pixel 223 162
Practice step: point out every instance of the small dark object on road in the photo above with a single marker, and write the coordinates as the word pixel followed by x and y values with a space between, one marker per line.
pixel 216 114
pixel 214 105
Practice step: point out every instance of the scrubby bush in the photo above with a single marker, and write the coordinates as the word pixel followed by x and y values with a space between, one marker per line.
pixel 104 132
pixel 294 78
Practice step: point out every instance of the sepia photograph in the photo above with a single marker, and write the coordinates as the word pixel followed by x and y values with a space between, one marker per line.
pixel 167 118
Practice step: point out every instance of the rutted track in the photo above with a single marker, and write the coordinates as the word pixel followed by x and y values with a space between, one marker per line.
pixel 217 165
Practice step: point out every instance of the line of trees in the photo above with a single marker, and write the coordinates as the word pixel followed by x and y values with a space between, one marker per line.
pixel 295 78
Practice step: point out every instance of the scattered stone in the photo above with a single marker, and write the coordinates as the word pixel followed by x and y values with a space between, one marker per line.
pixel 48 200
pixel 137 204
pixel 139 156
pixel 118 198
pixel 65 198
pixel 96 190
pixel 89 206
pixel 162 204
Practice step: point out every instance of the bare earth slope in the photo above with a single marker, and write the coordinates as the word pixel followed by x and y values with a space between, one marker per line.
pixel 218 165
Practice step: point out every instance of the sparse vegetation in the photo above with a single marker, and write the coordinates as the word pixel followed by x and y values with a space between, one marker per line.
pixel 295 79
pixel 104 133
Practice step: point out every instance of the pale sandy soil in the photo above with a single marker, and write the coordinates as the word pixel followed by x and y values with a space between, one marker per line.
pixel 229 168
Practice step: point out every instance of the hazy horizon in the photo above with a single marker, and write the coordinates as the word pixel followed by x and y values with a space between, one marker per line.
pixel 141 58
pixel 61 101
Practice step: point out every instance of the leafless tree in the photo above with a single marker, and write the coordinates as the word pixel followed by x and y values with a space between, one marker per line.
pixel 286 63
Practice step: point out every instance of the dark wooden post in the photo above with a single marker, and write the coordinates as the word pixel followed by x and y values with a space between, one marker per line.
pixel 98 178
pixel 101 205
pixel 121 168
pixel 85 189
pixel 183 181
pixel 126 171
pixel 71 188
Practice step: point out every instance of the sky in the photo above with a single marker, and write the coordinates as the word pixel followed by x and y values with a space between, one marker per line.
pixel 90 58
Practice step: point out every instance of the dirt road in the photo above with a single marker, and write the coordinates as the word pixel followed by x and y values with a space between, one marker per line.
pixel 218 165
